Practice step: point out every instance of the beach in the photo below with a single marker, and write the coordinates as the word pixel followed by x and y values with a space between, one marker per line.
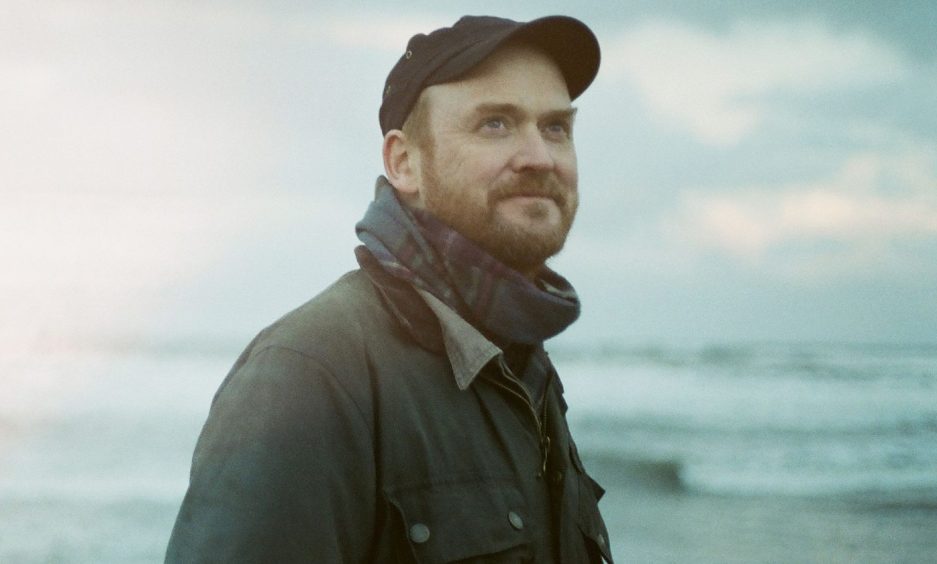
pixel 651 519
pixel 777 454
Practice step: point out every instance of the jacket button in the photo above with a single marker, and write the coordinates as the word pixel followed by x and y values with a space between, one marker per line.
pixel 515 520
pixel 419 533
pixel 600 538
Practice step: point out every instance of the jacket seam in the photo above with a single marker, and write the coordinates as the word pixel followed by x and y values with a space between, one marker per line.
pixel 361 412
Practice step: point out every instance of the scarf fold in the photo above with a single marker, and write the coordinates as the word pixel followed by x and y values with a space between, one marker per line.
pixel 413 245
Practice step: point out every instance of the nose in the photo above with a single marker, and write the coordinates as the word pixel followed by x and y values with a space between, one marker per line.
pixel 533 153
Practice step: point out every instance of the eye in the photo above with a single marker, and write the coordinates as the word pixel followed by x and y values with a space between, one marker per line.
pixel 494 124
pixel 561 129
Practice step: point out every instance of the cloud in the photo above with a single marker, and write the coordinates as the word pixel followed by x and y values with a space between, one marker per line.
pixel 136 151
pixel 717 85
pixel 374 31
pixel 872 201
pixel 155 96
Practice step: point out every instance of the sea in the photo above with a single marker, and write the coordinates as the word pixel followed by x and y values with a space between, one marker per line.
pixel 764 452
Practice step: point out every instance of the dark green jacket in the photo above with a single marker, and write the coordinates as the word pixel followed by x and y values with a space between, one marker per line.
pixel 369 425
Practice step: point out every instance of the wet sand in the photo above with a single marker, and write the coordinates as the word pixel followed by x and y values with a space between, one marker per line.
pixel 652 518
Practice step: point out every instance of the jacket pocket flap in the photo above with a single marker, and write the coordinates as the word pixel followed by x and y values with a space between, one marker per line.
pixel 454 521
pixel 590 519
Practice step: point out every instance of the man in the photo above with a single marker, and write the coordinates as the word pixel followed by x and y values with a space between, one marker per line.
pixel 409 413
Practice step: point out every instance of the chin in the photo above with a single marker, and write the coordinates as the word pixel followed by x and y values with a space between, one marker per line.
pixel 524 248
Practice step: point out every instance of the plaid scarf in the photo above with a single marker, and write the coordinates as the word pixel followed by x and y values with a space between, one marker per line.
pixel 413 245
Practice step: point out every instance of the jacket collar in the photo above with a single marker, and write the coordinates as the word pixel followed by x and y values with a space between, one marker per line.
pixel 431 323
pixel 468 350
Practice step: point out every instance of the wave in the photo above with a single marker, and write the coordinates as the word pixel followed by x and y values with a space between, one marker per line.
pixel 899 396
pixel 635 473
pixel 873 489
pixel 879 490
pixel 836 361
pixel 156 346
pixel 745 427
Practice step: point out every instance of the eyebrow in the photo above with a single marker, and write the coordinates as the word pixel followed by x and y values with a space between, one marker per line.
pixel 513 110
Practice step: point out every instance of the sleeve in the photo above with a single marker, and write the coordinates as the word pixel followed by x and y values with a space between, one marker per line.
pixel 283 471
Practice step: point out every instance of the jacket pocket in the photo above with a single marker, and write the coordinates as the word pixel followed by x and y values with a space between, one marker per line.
pixel 464 522
pixel 590 519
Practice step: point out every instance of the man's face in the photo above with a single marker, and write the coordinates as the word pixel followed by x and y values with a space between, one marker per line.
pixel 499 164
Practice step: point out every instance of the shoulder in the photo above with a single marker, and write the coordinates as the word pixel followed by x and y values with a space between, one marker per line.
pixel 337 323
pixel 334 339
pixel 310 361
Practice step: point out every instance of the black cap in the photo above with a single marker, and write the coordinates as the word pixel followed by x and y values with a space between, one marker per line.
pixel 448 53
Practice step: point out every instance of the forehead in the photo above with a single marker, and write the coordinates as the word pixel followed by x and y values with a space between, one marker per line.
pixel 516 74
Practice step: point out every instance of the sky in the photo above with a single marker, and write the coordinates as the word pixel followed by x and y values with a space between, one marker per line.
pixel 189 171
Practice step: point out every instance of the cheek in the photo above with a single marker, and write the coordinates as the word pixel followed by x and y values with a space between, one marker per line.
pixel 484 166
pixel 567 170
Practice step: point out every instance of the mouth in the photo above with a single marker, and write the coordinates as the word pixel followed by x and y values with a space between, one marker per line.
pixel 530 192
pixel 526 198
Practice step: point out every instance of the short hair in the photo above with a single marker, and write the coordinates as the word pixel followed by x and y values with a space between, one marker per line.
pixel 417 127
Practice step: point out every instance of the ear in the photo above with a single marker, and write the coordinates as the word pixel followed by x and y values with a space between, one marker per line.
pixel 401 163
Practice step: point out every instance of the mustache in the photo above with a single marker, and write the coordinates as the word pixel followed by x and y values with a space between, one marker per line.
pixel 532 186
